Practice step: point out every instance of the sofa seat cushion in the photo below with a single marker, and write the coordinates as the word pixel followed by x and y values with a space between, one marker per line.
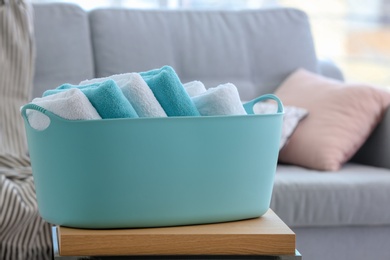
pixel 355 195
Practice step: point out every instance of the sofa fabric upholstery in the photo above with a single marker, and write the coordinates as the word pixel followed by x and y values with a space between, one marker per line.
pixel 354 195
pixel 211 46
pixel 328 68
pixel 64 49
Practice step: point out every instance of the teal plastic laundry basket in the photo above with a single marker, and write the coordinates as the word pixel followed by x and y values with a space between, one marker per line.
pixel 149 172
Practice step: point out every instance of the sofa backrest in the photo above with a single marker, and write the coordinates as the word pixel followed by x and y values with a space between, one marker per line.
pixel 63 46
pixel 253 49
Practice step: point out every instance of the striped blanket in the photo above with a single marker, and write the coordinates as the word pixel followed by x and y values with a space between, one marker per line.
pixel 23 233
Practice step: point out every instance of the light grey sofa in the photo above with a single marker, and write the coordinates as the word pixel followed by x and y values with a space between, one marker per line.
pixel 338 215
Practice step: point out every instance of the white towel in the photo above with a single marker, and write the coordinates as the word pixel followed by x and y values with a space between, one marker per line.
pixel 71 104
pixel 194 88
pixel 221 100
pixel 137 92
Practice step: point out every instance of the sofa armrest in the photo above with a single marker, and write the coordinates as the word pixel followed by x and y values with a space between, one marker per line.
pixel 328 68
pixel 376 150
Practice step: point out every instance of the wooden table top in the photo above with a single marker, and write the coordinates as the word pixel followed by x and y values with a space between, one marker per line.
pixel 267 235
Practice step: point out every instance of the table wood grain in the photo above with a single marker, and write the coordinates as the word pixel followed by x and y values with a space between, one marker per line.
pixel 267 235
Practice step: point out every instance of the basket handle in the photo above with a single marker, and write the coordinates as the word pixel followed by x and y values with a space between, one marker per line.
pixel 35 107
pixel 248 106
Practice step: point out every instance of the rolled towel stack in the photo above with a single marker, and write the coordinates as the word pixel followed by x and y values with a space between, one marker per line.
pixel 105 96
pixel 72 105
pixel 169 91
pixel 137 93
pixel 221 100
pixel 154 93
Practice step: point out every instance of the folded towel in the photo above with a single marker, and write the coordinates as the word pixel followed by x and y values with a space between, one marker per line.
pixel 169 91
pixel 105 96
pixel 194 88
pixel 137 92
pixel 221 100
pixel 71 104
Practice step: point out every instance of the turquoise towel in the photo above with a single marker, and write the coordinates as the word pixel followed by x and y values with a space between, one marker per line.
pixel 106 97
pixel 170 93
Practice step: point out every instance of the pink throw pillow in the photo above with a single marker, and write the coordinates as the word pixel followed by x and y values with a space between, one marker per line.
pixel 341 117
